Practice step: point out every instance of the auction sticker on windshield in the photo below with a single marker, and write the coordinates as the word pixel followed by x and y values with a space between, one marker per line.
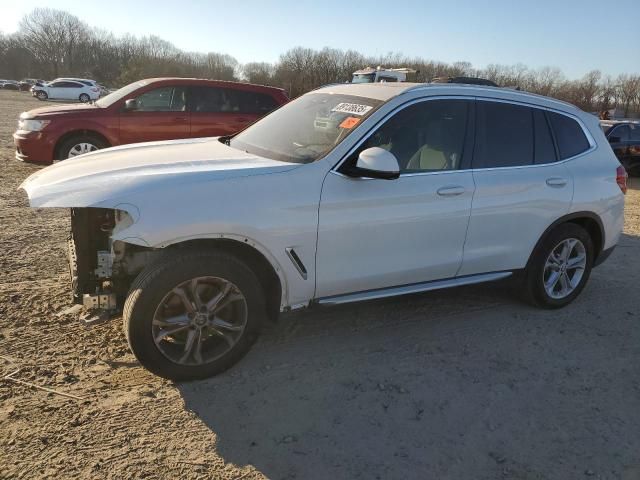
pixel 352 108
pixel 349 122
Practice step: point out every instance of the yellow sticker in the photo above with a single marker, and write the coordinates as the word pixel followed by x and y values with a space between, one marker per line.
pixel 349 122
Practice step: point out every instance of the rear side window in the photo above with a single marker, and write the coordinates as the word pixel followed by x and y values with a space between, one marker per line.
pixel 65 84
pixel 254 102
pixel 504 135
pixel 217 100
pixel 635 132
pixel 569 135
pixel 620 134
pixel 543 151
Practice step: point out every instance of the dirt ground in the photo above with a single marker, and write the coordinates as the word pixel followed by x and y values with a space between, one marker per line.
pixel 465 383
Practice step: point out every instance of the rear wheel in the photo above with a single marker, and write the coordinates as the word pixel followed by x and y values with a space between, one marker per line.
pixel 193 315
pixel 559 268
pixel 84 98
pixel 78 145
pixel 41 95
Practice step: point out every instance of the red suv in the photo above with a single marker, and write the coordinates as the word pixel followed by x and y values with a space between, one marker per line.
pixel 148 110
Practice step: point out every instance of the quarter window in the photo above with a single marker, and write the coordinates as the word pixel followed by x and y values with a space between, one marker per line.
pixel 424 137
pixel 504 135
pixel 569 135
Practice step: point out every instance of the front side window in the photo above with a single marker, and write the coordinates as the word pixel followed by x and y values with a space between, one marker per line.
pixel 569 135
pixel 119 94
pixel 164 99
pixel 424 137
pixel 634 134
pixel 307 128
pixel 504 135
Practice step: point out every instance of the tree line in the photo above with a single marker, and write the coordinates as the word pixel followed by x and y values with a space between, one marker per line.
pixel 52 43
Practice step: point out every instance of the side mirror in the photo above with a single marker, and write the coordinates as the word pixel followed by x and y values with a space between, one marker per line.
pixel 131 104
pixel 376 162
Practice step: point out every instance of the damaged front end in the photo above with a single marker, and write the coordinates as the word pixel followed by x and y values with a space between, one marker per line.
pixel 102 269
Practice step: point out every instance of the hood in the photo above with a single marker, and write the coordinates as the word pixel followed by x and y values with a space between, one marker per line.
pixel 59 110
pixel 100 178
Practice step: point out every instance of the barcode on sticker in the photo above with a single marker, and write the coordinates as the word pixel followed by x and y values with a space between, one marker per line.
pixel 352 108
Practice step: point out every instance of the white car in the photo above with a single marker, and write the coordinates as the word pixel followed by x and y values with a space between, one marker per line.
pixel 67 89
pixel 415 187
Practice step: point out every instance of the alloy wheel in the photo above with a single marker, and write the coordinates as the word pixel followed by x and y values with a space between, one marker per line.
pixel 199 320
pixel 564 268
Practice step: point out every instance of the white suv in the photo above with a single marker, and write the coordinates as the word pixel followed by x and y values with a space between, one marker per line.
pixel 348 193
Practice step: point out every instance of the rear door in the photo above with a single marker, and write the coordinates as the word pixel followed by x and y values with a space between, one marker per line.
pixel 161 114
pixel 224 111
pixel 520 187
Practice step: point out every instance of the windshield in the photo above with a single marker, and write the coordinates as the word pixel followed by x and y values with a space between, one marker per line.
pixel 113 97
pixel 363 78
pixel 306 129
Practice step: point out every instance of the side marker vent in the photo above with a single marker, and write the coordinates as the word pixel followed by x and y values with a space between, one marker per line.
pixel 295 259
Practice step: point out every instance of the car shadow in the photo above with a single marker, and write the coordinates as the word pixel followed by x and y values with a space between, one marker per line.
pixel 460 383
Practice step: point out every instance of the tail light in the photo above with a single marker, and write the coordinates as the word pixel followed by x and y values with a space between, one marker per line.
pixel 621 178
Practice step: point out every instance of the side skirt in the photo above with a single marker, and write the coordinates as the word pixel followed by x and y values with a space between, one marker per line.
pixel 413 288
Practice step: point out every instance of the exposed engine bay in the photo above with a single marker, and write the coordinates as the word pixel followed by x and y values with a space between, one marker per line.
pixel 102 269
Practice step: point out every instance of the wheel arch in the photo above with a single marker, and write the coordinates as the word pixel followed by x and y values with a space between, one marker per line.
pixel 590 221
pixel 266 268
pixel 80 132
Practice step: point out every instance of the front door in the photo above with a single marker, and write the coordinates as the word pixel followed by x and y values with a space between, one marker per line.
pixel 382 233
pixel 161 114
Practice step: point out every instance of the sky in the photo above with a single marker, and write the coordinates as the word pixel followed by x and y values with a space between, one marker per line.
pixel 575 35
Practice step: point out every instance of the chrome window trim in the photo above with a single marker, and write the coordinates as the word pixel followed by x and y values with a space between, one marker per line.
pixel 590 139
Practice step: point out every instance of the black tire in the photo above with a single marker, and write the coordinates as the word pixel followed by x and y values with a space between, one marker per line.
pixel 84 98
pixel 41 95
pixel 532 287
pixel 64 149
pixel 149 289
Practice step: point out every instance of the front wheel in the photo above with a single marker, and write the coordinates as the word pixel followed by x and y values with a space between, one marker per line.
pixel 559 268
pixel 193 315
pixel 41 95
pixel 84 98
pixel 78 145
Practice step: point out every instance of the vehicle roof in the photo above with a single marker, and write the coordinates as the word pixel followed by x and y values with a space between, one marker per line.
pixel 385 91
pixel 74 78
pixel 210 82
pixel 626 121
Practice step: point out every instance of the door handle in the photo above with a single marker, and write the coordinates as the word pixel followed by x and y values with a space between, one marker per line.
pixel 180 119
pixel 450 191
pixel 556 182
